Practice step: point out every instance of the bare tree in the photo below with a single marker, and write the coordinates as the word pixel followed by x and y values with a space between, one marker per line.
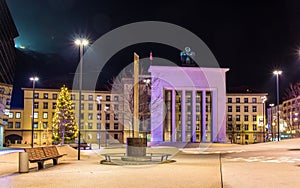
pixel 292 91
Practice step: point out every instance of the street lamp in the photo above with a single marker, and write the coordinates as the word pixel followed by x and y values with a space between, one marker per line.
pixel 264 98
pixel 98 99
pixel 33 79
pixel 81 43
pixel 277 73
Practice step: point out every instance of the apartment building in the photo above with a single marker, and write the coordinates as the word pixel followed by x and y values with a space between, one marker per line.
pixel 290 118
pixel 246 118
pixel 99 122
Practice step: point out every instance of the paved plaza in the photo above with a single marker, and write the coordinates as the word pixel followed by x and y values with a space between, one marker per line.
pixel 274 164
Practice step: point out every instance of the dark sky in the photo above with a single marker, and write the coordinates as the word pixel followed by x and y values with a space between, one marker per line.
pixel 252 38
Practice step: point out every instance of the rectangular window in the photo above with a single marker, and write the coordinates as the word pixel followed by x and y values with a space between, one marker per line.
pixel 54 105
pixel 90 125
pixel 98 125
pixel 44 136
pixel 106 126
pixel 237 100
pixel 238 118
pixel 254 100
pixel 116 117
pixel 36 105
pixel 254 127
pixel 82 97
pixel 10 125
pixel 197 108
pixel 45 105
pixel 18 125
pixel 245 100
pixel 238 127
pixel 36 95
pixel 81 126
pixel 107 98
pixel 246 109
pixel 107 116
pixel 246 118
pixel 45 125
pixel 18 115
pixel 90 116
pixel 116 98
pixel 229 117
pixel 73 106
pixel 116 136
pixel 238 109
pixel 116 126
pixel 246 127
pixel 107 107
pixel 246 137
pixel 36 115
pixel 229 108
pixel 35 136
pixel 98 116
pixel 98 106
pixel 54 96
pixel 11 115
pixel 90 97
pixel 35 125
pixel 82 106
pixel 73 97
pixel 45 95
pixel 254 109
pixel 90 106
pixel 45 115
pixel 82 116
pixel 230 127
pixel 116 107
pixel 254 117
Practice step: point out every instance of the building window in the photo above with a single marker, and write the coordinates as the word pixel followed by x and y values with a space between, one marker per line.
pixel 246 127
pixel 98 125
pixel 254 100
pixel 229 127
pixel 35 125
pixel 254 117
pixel 45 105
pixel 81 126
pixel 116 98
pixel 98 106
pixel 238 127
pixel 238 118
pixel 254 109
pixel 45 95
pixel 45 115
pixel 229 108
pixel 116 107
pixel 245 100
pixel 116 117
pixel 18 115
pixel 36 115
pixel 107 107
pixel 90 136
pixel 107 116
pixel 90 125
pixel 10 125
pixel 90 107
pixel 35 136
pixel 36 105
pixel 44 136
pixel 90 116
pixel 90 97
pixel 246 118
pixel 238 136
pixel 107 136
pixel 246 137
pixel 229 117
pixel 106 126
pixel 36 95
pixel 54 105
pixel 82 116
pixel 237 100
pixel 254 127
pixel 73 106
pixel 54 96
pixel 198 108
pixel 116 126
pixel 254 137
pixel 238 109
pixel 45 125
pixel 82 106
pixel 246 109
pixel 116 136
pixel 11 115
pixel 98 116
pixel 82 97
pixel 18 125
pixel 107 98
pixel 73 97
pixel 7 101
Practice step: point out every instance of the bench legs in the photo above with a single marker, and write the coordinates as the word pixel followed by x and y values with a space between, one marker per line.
pixel 40 165
pixel 55 161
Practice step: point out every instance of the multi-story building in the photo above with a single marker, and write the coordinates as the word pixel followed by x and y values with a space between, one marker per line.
pixel 8 32
pixel 290 115
pixel 274 113
pixel 5 99
pixel 246 117
pixel 99 123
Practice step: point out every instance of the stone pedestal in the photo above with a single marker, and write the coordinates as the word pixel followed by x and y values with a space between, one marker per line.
pixel 136 147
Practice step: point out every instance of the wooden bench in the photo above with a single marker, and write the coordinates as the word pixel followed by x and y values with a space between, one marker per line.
pixel 82 145
pixel 41 154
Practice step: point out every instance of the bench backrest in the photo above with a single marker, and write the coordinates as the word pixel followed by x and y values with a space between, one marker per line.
pixel 50 151
pixel 35 153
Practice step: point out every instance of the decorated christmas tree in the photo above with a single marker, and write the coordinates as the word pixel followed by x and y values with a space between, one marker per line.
pixel 63 122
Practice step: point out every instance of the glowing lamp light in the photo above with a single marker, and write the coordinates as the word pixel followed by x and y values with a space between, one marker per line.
pixel 277 72
pixel 34 78
pixel 83 42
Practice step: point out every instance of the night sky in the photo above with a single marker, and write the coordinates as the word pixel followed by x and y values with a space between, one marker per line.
pixel 252 38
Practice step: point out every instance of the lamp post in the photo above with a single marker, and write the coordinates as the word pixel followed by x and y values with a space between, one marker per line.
pixel 33 79
pixel 277 73
pixel 272 128
pixel 264 98
pixel 98 99
pixel 81 43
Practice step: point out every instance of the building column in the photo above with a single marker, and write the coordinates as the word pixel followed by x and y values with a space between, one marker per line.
pixel 203 128
pixel 193 115
pixel 214 114
pixel 183 118
pixel 173 139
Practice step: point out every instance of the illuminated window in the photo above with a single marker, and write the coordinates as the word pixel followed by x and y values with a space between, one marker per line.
pixel 229 108
pixel 45 125
pixel 54 96
pixel 45 115
pixel 90 97
pixel 116 98
pixel 18 125
pixel 238 118
pixel 11 115
pixel 229 117
pixel 254 100
pixel 36 105
pixel 18 115
pixel 36 115
pixel 35 125
pixel 44 136
pixel 90 116
pixel 35 136
pixel 45 95
pixel 90 125
pixel 36 95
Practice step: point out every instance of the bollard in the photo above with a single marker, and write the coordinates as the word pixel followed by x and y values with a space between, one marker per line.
pixel 23 162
